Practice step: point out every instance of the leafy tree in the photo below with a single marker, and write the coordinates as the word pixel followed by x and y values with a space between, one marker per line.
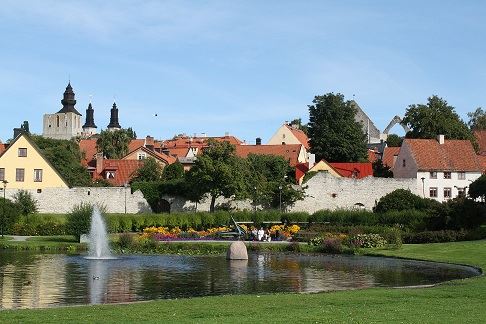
pixel 477 119
pixel 334 134
pixel 380 170
pixel 9 214
pixel 477 189
pixel 402 199
pixel 114 144
pixel 393 140
pixel 173 171
pixel 151 170
pixel 269 180
pixel 65 157
pixel 25 202
pixel 434 118
pixel 217 172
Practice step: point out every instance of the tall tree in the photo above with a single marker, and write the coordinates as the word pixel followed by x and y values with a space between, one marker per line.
pixel 114 144
pixel 173 171
pixel 334 133
pixel 434 118
pixel 217 172
pixel 477 119
pixel 25 202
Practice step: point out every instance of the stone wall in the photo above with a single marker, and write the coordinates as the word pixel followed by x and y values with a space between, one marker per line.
pixel 62 200
pixel 324 191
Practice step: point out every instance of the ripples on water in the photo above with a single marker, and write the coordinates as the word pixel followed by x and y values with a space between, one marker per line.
pixel 31 280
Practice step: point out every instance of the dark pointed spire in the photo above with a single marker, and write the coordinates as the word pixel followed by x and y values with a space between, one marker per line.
pixel 68 101
pixel 89 118
pixel 114 117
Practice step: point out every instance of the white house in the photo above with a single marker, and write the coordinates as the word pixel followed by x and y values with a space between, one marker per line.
pixel 444 169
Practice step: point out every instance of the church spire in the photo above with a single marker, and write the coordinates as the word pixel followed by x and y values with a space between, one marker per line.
pixel 89 117
pixel 114 118
pixel 68 101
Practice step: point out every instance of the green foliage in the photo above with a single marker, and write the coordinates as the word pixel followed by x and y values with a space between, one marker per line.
pixel 114 144
pixel 26 203
pixel 65 157
pixel 151 170
pixel 174 171
pixel 477 189
pixel 366 241
pixel 477 119
pixel 402 199
pixel 297 122
pixel 393 140
pixel 9 214
pixel 334 134
pixel 40 224
pixel 458 213
pixel 435 236
pixel 380 170
pixel 434 118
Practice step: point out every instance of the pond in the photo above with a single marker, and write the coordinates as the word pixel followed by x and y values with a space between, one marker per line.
pixel 29 280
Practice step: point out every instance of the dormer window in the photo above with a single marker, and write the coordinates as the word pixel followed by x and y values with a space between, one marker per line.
pixel 110 174
pixel 22 152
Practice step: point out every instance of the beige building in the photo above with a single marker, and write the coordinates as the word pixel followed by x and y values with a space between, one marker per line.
pixel 288 134
pixel 24 167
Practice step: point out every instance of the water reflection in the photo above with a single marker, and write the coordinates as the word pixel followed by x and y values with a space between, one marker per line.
pixel 38 280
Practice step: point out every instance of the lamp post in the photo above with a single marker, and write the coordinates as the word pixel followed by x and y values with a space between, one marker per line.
pixel 125 185
pixel 4 201
pixel 254 200
pixel 280 198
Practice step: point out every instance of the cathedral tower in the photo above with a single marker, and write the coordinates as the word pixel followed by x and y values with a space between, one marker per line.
pixel 89 127
pixel 114 125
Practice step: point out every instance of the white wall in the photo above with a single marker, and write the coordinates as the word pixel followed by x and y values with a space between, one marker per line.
pixel 440 183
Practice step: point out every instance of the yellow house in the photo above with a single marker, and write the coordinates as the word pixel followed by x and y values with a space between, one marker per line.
pixel 24 167
pixel 321 166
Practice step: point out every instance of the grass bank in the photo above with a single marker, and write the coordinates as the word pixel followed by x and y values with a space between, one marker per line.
pixel 62 243
pixel 460 301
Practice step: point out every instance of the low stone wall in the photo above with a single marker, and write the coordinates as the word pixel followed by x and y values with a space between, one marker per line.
pixel 61 200
pixel 324 191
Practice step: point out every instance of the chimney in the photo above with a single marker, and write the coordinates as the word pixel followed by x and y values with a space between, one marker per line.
pixel 311 158
pixel 258 141
pixel 440 139
pixel 99 162
pixel 149 142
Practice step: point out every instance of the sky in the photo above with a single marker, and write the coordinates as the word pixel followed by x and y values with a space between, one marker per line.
pixel 237 67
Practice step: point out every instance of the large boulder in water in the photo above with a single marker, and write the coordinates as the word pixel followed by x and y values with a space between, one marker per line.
pixel 237 251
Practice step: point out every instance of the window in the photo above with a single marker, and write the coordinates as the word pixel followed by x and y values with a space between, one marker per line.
pixel 141 156
pixel 19 175
pixel 2 174
pixel 461 175
pixel 433 192
pixel 404 163
pixel 433 174
pixel 447 193
pixel 22 152
pixel 447 175
pixel 110 174
pixel 37 175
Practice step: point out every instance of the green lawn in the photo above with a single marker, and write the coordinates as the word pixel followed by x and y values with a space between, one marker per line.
pixel 45 243
pixel 461 301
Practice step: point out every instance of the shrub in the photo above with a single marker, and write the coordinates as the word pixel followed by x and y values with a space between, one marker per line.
pixel 402 199
pixel 26 202
pixel 331 245
pixel 79 219
pixel 366 241
pixel 393 236
pixel 435 237
pixel 9 215
pixel 125 241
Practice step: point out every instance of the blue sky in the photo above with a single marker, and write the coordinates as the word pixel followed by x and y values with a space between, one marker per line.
pixel 242 67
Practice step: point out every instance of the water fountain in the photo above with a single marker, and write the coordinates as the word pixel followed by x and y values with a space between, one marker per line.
pixel 98 247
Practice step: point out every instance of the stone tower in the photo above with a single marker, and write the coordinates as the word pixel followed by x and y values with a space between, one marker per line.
pixel 66 123
pixel 89 127
pixel 114 125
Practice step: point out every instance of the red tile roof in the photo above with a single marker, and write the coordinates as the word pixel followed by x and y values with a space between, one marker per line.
pixel 289 152
pixel 481 139
pixel 186 141
pixel 453 155
pixel 300 171
pixel 3 148
pixel 300 135
pixel 178 152
pixel 354 169
pixel 135 144
pixel 124 170
pixel 389 155
pixel 88 149
pixel 482 162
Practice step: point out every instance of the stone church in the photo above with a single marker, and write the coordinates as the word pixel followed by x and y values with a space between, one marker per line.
pixel 66 123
